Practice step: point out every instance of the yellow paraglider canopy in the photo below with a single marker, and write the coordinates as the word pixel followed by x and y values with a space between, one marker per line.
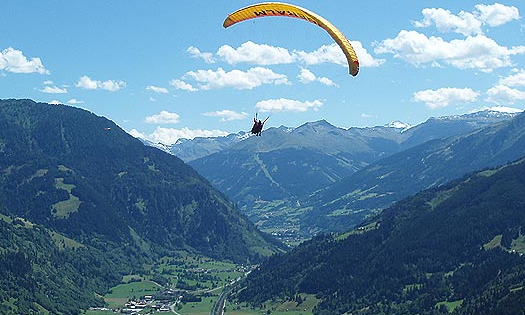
pixel 290 10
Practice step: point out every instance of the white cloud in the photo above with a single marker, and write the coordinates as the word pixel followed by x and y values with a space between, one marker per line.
pixel 365 58
pixel 517 79
pixel 287 105
pixel 503 94
pixel 258 54
pixel 365 115
pixel 13 60
pixel 181 85
pixel 445 96
pixel 196 53
pixel 74 101
pixel 137 134
pixel 237 79
pixel 227 115
pixel 55 102
pixel 497 14
pixel 468 23
pixel 333 54
pixel 479 52
pixel 464 23
pixel 164 117
pixel 85 82
pixel 54 90
pixel 306 76
pixel 261 54
pixel 169 136
pixel 324 54
pixel 157 89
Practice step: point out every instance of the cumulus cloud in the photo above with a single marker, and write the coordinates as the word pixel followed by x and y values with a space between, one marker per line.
pixel 157 89
pixel 218 79
pixel 468 23
pixel 264 55
pixel 464 23
pixel 164 117
pixel 324 54
pixel 169 136
pixel 137 134
pixel 497 14
pixel 503 94
pixel 196 53
pixel 13 60
pixel 478 52
pixel 445 96
pixel 227 115
pixel 257 54
pixel 365 58
pixel 85 82
pixel 54 90
pixel 287 105
pixel 517 79
pixel 181 85
pixel 306 76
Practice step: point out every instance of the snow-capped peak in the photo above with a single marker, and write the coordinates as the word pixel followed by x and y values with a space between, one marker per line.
pixel 505 109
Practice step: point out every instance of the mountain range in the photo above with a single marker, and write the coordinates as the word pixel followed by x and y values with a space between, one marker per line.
pixel 272 177
pixel 457 249
pixel 430 164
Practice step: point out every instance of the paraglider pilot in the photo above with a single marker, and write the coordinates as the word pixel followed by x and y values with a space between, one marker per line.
pixel 257 127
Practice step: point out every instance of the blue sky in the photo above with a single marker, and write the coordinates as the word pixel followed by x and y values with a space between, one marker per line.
pixel 168 69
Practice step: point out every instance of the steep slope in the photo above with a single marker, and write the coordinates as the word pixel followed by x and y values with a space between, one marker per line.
pixel 43 272
pixel 457 248
pixel 430 164
pixel 80 174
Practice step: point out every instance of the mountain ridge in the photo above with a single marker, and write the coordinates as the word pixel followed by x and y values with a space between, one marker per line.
pixel 80 174
pixel 455 248
pixel 270 177
pixel 430 164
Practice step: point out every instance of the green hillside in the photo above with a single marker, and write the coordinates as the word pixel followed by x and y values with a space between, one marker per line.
pixel 43 272
pixel 82 175
pixel 455 249
pixel 83 203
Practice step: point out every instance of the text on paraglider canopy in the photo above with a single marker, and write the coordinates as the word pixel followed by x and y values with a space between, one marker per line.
pixel 285 13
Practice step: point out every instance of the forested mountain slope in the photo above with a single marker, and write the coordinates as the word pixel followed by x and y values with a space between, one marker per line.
pixel 83 203
pixel 458 247
pixel 82 175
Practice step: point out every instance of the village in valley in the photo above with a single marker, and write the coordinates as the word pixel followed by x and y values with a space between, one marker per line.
pixel 174 285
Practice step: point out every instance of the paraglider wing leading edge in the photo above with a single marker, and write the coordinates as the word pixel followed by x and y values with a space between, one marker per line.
pixel 289 10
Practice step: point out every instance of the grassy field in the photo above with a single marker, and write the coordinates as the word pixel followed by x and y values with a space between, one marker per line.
pixel 276 308
pixel 201 276
pixel 450 305
pixel 124 292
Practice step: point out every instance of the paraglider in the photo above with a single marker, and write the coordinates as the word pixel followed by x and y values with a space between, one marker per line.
pixel 290 10
pixel 258 125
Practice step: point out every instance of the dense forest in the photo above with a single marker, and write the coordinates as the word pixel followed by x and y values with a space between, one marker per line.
pixel 82 203
pixel 82 175
pixel 458 248
pixel 44 271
